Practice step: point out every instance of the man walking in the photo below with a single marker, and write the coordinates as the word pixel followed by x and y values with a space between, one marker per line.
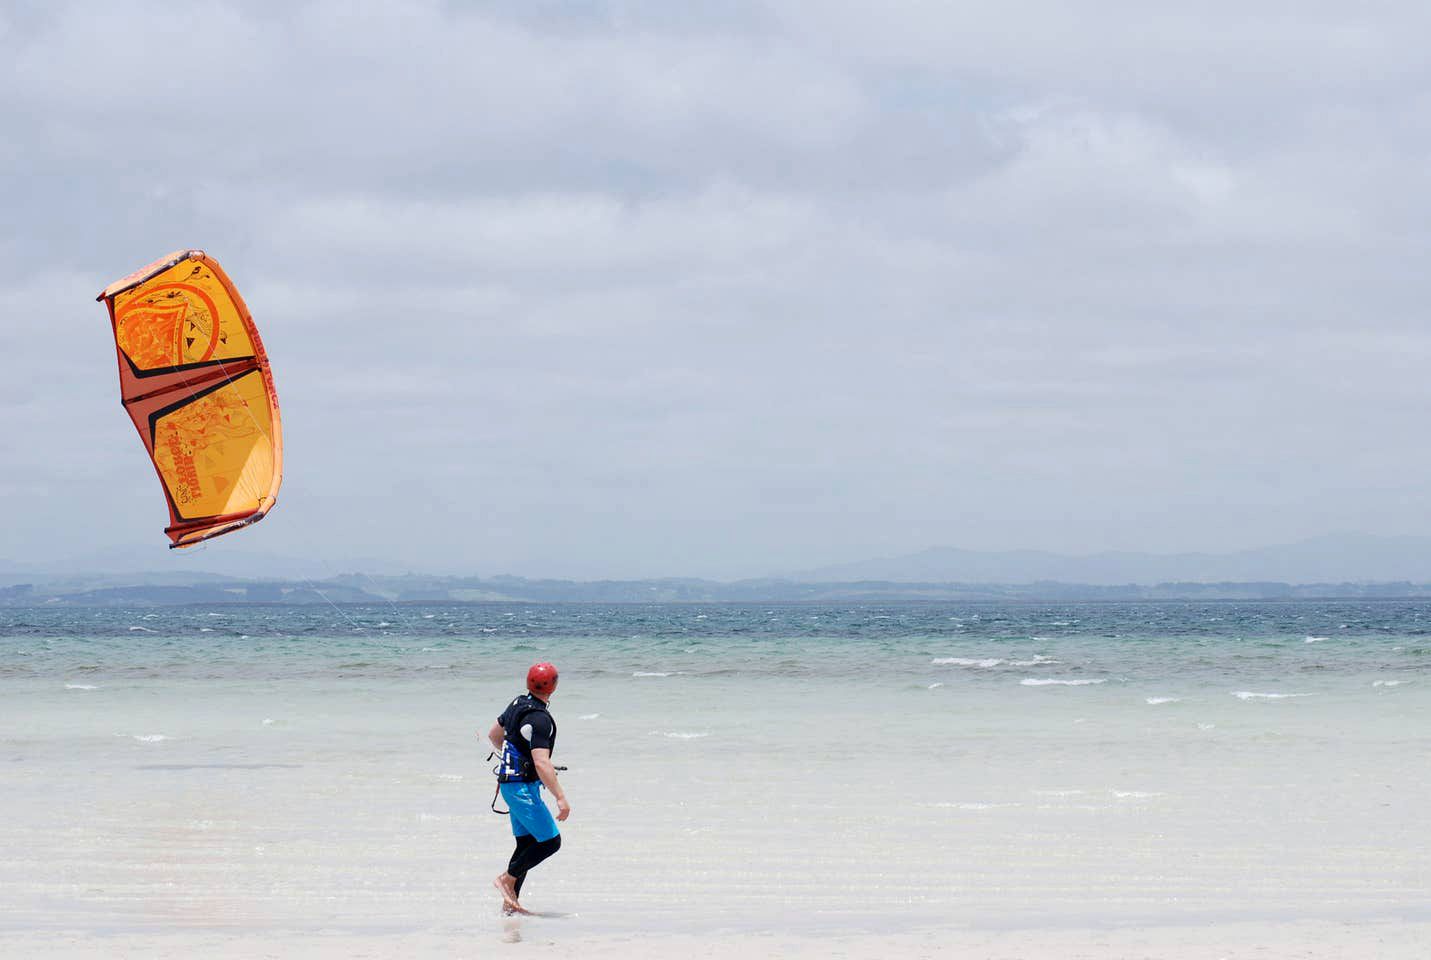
pixel 525 735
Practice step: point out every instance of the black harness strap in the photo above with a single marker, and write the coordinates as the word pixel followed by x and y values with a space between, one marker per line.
pixel 527 773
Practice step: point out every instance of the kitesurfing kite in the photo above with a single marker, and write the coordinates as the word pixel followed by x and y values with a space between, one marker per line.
pixel 195 380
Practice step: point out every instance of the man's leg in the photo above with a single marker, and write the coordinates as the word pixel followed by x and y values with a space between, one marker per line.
pixel 509 883
pixel 531 819
pixel 527 858
pixel 514 869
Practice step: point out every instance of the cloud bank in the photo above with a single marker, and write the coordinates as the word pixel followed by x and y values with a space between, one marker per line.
pixel 622 289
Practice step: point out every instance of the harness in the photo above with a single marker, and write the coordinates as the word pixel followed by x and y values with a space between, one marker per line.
pixel 515 765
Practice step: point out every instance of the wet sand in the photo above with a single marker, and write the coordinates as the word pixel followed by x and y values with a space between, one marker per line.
pixel 527 938
pixel 910 797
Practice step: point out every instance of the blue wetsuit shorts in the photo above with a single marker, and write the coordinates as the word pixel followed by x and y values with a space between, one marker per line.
pixel 529 813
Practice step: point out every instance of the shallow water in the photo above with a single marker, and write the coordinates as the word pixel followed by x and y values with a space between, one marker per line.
pixel 732 767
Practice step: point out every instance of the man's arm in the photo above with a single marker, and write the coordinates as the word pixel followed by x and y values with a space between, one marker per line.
pixel 497 735
pixel 542 760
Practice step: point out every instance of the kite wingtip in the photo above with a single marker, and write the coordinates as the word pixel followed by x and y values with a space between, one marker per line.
pixel 147 271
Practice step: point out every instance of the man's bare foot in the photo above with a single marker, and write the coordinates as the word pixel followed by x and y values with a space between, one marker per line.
pixel 506 885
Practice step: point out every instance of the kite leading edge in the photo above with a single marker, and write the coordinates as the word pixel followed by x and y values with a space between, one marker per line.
pixel 195 380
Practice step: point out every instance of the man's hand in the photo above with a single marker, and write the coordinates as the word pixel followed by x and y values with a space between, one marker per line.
pixel 563 808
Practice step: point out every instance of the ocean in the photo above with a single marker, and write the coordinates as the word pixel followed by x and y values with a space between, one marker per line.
pixel 791 768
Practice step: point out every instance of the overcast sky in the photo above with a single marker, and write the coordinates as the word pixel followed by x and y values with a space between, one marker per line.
pixel 630 288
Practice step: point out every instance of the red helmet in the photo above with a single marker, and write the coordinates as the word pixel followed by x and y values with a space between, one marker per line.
pixel 542 679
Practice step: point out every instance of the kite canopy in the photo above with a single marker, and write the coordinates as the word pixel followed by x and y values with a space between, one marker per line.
pixel 195 380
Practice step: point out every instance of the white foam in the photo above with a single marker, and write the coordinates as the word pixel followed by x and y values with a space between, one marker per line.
pixel 701 616
pixel 384 623
pixel 453 777
pixel 145 629
pixel 1207 726
pixel 985 663
pixel 1314 639
pixel 1374 683
pixel 1063 808
pixel 268 721
pixel 1136 794
pixel 651 673
pixel 1058 793
pixel 1249 695
pixel 80 686
pixel 677 735
pixel 431 649
pixel 150 737
pixel 206 629
pixel 1040 682
pixel 972 806
pixel 1154 701
pixel 428 616
pixel 588 716
pixel 935 686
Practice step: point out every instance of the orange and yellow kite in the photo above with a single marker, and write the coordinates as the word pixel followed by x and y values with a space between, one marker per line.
pixel 195 380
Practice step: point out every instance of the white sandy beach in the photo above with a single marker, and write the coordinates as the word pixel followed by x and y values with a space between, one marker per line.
pixel 1212 941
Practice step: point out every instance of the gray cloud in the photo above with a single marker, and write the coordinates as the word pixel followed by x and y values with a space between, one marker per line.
pixel 623 288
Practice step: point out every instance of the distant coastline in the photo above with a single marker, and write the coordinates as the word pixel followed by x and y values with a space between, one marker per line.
pixel 172 590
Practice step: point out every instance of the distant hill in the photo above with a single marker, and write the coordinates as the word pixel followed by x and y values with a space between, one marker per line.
pixel 1348 566
pixel 1339 558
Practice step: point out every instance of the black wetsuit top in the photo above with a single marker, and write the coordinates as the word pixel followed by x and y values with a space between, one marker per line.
pixel 528 725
